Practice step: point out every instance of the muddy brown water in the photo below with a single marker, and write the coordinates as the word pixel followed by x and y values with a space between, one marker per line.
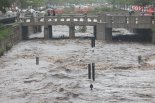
pixel 61 76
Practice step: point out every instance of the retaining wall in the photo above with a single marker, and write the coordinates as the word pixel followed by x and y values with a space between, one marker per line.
pixel 13 38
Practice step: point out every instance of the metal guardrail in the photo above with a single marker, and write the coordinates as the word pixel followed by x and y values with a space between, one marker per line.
pixel 7 20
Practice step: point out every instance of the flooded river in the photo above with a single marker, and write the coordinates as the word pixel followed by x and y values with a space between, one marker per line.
pixel 62 74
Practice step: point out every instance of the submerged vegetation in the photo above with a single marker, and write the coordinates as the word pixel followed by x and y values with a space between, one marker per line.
pixel 4 32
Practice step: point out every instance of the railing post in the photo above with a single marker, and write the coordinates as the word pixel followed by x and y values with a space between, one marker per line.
pixel 98 18
pixel 59 18
pixel 45 19
pixel 85 18
pixel 71 18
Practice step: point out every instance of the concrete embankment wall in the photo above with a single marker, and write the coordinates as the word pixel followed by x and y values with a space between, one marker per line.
pixel 13 38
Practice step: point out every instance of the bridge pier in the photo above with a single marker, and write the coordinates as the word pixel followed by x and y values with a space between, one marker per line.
pixel 25 32
pixel 71 31
pixel 20 32
pixel 35 29
pixel 50 31
pixel 145 35
pixel 39 28
pixel 100 31
pixel 108 34
pixel 46 32
pixel 95 32
pixel 103 33
pixel 153 37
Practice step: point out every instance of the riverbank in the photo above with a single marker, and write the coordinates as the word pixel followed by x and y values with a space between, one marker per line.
pixel 9 36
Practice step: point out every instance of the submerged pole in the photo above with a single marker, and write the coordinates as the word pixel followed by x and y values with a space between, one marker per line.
pixel 139 59
pixel 93 42
pixel 89 71
pixel 37 60
pixel 93 71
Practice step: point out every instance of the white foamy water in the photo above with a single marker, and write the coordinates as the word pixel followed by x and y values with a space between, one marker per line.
pixel 63 31
pixel 62 75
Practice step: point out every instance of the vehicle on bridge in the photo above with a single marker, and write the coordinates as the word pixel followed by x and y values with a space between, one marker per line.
pixel 51 12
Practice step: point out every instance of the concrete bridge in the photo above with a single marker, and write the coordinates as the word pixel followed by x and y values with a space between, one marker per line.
pixel 102 24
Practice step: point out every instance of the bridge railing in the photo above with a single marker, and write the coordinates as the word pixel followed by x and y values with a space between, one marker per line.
pixel 61 18
pixel 72 18
pixel 124 21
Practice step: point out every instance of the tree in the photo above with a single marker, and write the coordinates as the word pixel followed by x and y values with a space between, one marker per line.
pixel 4 4
pixel 36 3
pixel 142 3
pixel 25 3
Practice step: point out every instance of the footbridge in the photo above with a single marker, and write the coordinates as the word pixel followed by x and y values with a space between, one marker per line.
pixel 102 24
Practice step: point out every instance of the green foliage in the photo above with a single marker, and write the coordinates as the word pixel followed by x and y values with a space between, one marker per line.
pixel 4 4
pixel 103 9
pixel 133 2
pixel 34 3
pixel 25 3
pixel 141 2
pixel 4 32
pixel 63 2
pixel 22 3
